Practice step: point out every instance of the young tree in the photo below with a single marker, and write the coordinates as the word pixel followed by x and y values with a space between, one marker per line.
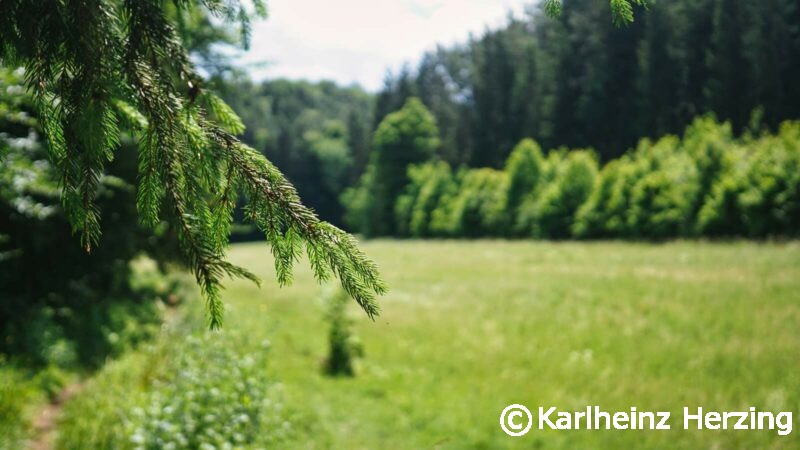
pixel 524 169
pixel 101 68
pixel 405 137
pixel 554 210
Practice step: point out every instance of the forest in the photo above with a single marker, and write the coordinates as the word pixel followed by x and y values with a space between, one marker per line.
pixel 591 193
pixel 550 80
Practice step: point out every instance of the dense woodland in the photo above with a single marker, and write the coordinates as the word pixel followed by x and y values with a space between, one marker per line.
pixel 576 81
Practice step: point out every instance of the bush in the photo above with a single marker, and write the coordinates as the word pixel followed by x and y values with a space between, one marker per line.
pixel 200 394
pixel 476 208
pixel 552 213
pixel 344 348
pixel 358 204
pixel 17 393
pixel 771 201
pixel 216 398
pixel 759 195
pixel 601 216
pixel 524 170
pixel 662 199
pixel 711 145
pixel 414 209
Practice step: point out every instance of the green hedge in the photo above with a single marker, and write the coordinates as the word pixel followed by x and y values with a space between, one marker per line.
pixel 706 183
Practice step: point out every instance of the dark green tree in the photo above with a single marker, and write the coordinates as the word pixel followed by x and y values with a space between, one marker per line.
pixel 405 137
pixel 59 304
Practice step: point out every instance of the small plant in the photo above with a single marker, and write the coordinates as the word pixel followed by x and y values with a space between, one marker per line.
pixel 213 398
pixel 344 346
pixel 186 391
pixel 17 392
pixel 51 381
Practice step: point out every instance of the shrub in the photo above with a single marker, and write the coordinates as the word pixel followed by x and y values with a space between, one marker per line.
pixel 344 348
pixel 663 198
pixel 17 393
pixel 430 182
pixel 216 399
pixel 709 144
pixel 553 212
pixel 770 203
pixel 721 213
pixel 476 209
pixel 600 216
pixel 200 394
pixel 525 219
pixel 759 194
pixel 524 170
pixel 358 203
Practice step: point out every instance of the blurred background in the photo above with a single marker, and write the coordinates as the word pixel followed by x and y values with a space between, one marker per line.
pixel 568 213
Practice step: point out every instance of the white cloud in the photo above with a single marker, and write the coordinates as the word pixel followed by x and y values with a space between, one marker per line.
pixel 357 40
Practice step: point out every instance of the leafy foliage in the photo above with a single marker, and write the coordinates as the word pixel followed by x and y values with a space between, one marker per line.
pixel 17 392
pixel 661 199
pixel 553 212
pixel 764 197
pixel 475 207
pixel 414 209
pixel 204 393
pixel 405 137
pixel 705 183
pixel 214 398
pixel 98 67
pixel 524 168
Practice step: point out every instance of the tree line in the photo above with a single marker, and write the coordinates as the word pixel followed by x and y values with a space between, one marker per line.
pixel 707 182
pixel 576 80
pixel 580 81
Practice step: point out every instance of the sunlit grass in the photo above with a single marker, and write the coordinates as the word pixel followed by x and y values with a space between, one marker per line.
pixel 470 327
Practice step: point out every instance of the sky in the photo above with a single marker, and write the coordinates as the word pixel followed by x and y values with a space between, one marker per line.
pixel 356 41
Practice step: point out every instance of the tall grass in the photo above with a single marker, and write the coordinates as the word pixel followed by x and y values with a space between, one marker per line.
pixel 471 327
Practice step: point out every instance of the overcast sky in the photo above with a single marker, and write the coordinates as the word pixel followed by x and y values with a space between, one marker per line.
pixel 355 41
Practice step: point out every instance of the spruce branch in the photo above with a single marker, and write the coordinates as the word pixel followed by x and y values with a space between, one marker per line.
pixel 98 68
pixel 621 10
pixel 275 207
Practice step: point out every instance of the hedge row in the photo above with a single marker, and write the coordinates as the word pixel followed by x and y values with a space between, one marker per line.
pixel 707 183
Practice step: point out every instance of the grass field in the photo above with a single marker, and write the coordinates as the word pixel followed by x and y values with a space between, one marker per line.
pixel 470 327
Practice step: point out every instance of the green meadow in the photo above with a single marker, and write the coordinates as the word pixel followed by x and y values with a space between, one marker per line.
pixel 468 328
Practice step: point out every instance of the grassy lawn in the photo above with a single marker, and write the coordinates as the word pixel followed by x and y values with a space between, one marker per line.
pixel 470 327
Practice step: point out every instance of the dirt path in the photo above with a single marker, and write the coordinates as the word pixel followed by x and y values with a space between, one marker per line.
pixel 45 422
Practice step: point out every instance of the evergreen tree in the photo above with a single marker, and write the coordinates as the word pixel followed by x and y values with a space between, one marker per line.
pixel 524 169
pixel 727 64
pixel 405 137
pixel 579 80
pixel 100 68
